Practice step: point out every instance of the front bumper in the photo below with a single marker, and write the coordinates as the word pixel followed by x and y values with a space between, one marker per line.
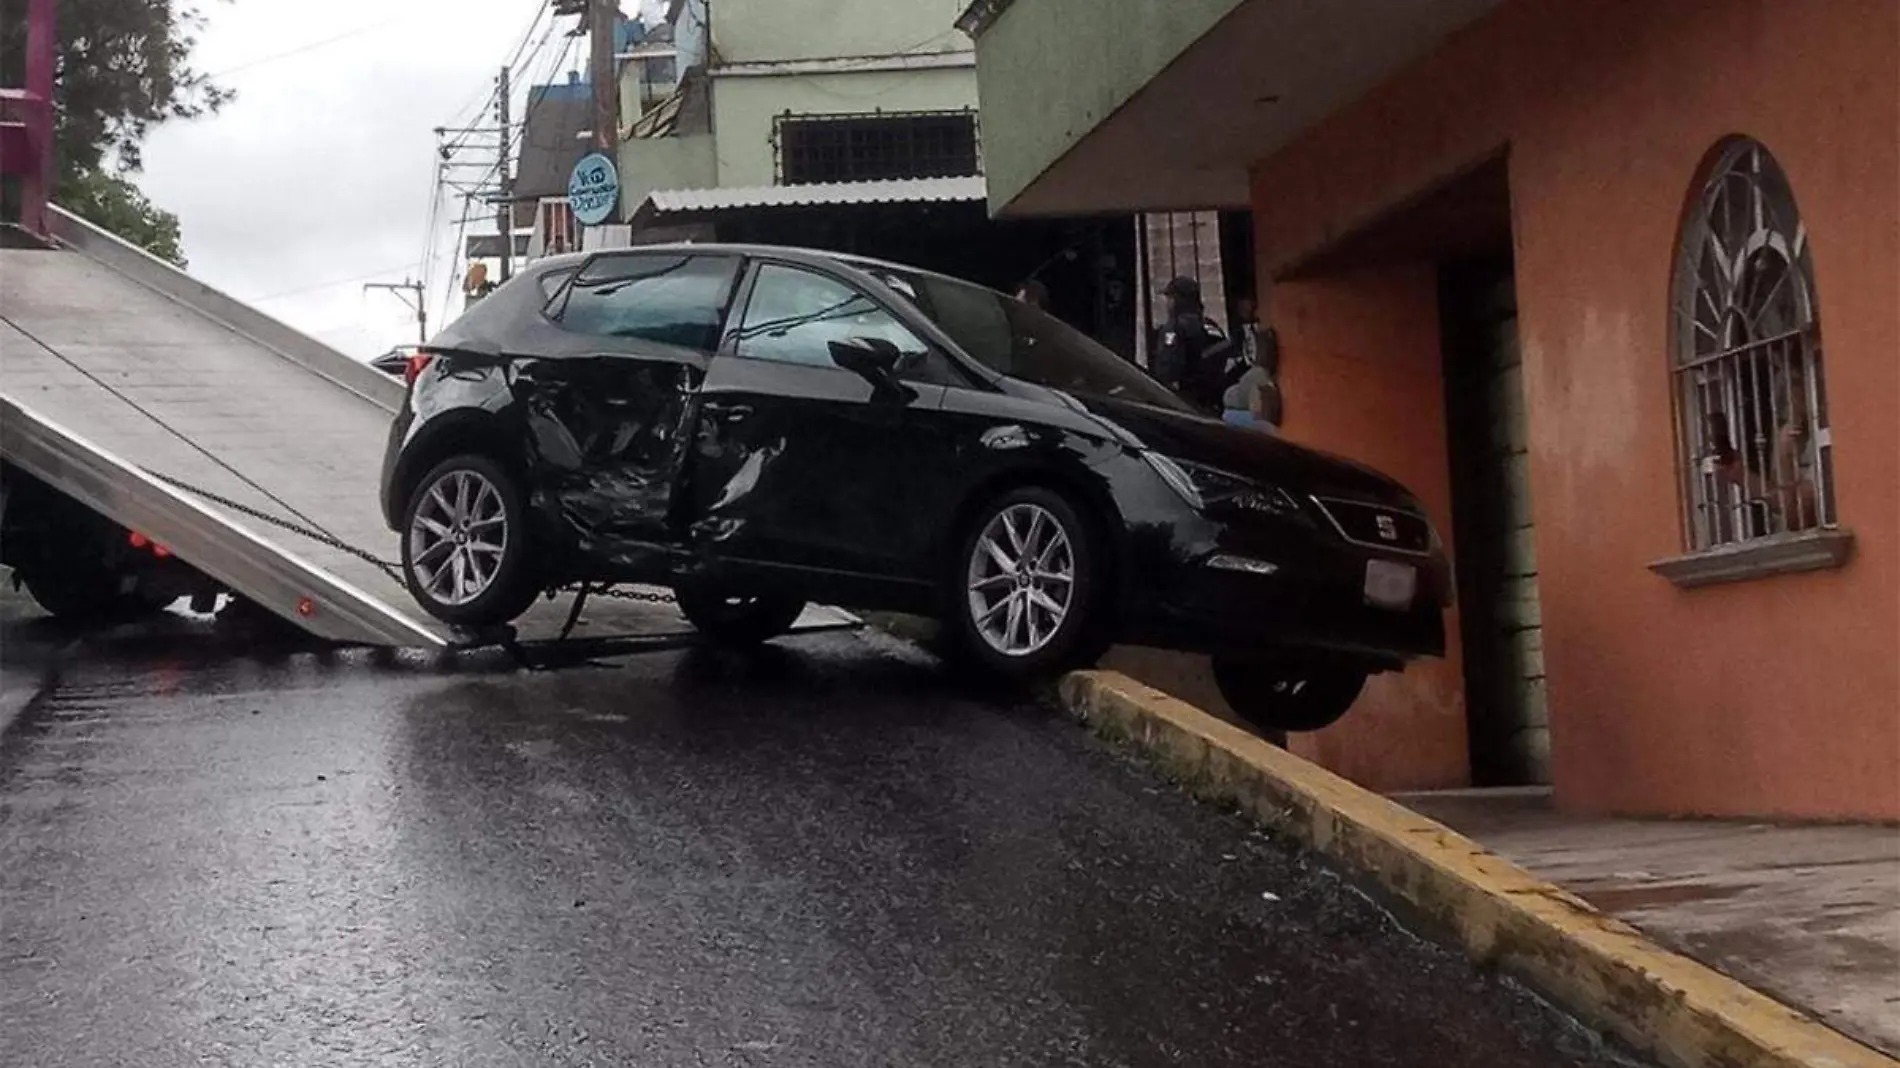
pixel 1287 584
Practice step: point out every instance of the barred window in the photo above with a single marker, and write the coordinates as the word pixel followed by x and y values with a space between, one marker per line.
pixel 860 148
pixel 1751 397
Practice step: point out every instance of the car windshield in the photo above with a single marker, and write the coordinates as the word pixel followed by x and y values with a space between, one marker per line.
pixel 1020 341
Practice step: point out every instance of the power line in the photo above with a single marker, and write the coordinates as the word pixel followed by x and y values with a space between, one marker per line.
pixel 473 112
pixel 333 283
pixel 455 261
pixel 312 46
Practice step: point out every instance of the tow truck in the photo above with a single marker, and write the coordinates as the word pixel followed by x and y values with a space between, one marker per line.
pixel 161 440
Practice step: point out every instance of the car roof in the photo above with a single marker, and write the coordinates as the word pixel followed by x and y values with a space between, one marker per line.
pixel 796 254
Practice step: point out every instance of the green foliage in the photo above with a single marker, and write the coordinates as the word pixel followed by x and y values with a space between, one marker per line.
pixel 112 201
pixel 124 66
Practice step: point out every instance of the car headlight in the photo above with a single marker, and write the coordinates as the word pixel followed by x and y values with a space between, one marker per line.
pixel 1211 492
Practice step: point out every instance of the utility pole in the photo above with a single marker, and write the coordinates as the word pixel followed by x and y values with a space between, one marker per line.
pixel 506 218
pixel 412 295
pixel 602 16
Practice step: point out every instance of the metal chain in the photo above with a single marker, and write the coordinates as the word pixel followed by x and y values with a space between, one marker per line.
pixel 616 593
pixel 388 567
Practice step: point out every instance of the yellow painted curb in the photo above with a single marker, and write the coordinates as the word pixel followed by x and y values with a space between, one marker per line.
pixel 1600 968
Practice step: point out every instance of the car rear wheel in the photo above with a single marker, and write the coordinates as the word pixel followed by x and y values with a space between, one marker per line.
pixel 465 549
pixel 1275 695
pixel 1026 587
pixel 738 619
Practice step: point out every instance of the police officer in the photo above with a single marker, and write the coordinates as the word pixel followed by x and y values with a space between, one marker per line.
pixel 1188 339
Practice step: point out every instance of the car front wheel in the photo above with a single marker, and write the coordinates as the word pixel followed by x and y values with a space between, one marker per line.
pixel 1026 587
pixel 737 619
pixel 1275 695
pixel 465 551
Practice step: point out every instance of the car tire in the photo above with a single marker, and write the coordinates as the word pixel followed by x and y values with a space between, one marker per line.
pixel 1273 695
pixel 78 591
pixel 737 620
pixel 480 500
pixel 1064 595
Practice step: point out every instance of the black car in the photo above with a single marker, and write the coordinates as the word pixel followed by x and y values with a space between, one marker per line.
pixel 762 427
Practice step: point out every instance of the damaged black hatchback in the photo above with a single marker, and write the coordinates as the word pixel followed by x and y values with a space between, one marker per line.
pixel 758 428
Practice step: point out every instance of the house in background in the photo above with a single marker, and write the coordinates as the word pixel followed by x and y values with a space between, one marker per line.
pixel 555 135
pixel 1611 284
pixel 852 125
pixel 557 130
pixel 849 125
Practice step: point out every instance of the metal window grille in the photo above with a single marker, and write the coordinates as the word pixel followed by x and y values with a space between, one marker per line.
pixel 863 148
pixel 561 231
pixel 1756 455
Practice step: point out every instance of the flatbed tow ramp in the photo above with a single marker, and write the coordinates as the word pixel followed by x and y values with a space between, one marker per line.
pixel 249 450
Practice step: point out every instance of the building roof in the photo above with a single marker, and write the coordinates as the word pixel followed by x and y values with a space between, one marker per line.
pixel 687 110
pixel 816 194
pixel 553 138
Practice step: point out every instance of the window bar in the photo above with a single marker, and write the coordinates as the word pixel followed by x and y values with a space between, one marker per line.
pixel 1697 457
pixel 1726 482
pixel 1762 377
pixel 1786 465
pixel 1818 432
pixel 1748 487
pixel 1714 499
pixel 1760 513
pixel 1807 511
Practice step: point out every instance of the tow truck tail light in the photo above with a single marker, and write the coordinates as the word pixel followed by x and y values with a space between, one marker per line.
pixel 417 363
pixel 141 541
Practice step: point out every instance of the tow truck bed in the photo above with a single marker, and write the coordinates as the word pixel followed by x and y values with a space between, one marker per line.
pixel 127 382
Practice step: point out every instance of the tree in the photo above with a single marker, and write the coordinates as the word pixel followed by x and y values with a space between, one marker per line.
pixel 124 66
pixel 112 201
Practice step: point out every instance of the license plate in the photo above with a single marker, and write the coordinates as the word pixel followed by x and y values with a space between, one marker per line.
pixel 1390 584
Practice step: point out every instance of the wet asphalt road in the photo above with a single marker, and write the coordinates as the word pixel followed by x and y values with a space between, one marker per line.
pixel 824 854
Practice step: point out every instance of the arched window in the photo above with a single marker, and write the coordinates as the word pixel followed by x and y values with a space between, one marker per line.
pixel 1751 398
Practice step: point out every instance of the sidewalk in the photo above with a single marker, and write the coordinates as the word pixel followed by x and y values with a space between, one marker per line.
pixel 1807 914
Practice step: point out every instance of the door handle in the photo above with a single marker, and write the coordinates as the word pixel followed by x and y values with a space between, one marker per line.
pixel 729 413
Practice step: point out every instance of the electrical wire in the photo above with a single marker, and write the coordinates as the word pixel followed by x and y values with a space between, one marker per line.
pixel 331 284
pixel 311 46
pixel 455 263
pixel 483 101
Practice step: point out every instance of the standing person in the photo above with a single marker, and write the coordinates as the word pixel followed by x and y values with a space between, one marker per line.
pixel 1254 399
pixel 1186 337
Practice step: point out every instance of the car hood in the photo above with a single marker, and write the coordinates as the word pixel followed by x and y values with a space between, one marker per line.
pixel 1251 454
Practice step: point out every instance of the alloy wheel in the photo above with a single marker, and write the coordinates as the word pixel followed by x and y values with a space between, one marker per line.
pixel 1021 579
pixel 459 537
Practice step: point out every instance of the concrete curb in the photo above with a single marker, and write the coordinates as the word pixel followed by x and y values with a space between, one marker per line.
pixel 1605 971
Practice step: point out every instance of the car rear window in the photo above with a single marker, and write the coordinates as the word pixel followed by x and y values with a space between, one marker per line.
pixel 668 298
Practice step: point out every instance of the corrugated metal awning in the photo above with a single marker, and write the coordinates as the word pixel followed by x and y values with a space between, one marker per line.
pixel 664 202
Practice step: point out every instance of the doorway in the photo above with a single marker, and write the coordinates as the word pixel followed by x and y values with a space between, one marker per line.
pixel 1500 614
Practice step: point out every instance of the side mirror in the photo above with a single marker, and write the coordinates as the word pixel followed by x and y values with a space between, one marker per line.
pixel 871 357
pixel 875 360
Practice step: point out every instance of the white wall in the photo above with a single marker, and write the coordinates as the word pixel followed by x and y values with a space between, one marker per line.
pixel 750 31
pixel 744 107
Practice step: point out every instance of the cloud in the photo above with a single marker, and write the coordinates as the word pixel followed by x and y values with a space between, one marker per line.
pixel 321 171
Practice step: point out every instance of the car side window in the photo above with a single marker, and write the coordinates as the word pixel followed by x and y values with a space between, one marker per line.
pixel 794 316
pixel 551 283
pixel 668 298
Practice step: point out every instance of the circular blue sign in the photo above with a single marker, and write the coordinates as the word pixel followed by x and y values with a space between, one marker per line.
pixel 593 190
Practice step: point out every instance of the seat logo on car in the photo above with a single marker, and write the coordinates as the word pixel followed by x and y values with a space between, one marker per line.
pixel 1388 528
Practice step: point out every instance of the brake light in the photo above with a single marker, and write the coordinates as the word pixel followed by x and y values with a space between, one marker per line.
pixel 140 541
pixel 417 363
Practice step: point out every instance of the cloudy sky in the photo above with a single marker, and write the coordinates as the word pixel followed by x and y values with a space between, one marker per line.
pixel 318 177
